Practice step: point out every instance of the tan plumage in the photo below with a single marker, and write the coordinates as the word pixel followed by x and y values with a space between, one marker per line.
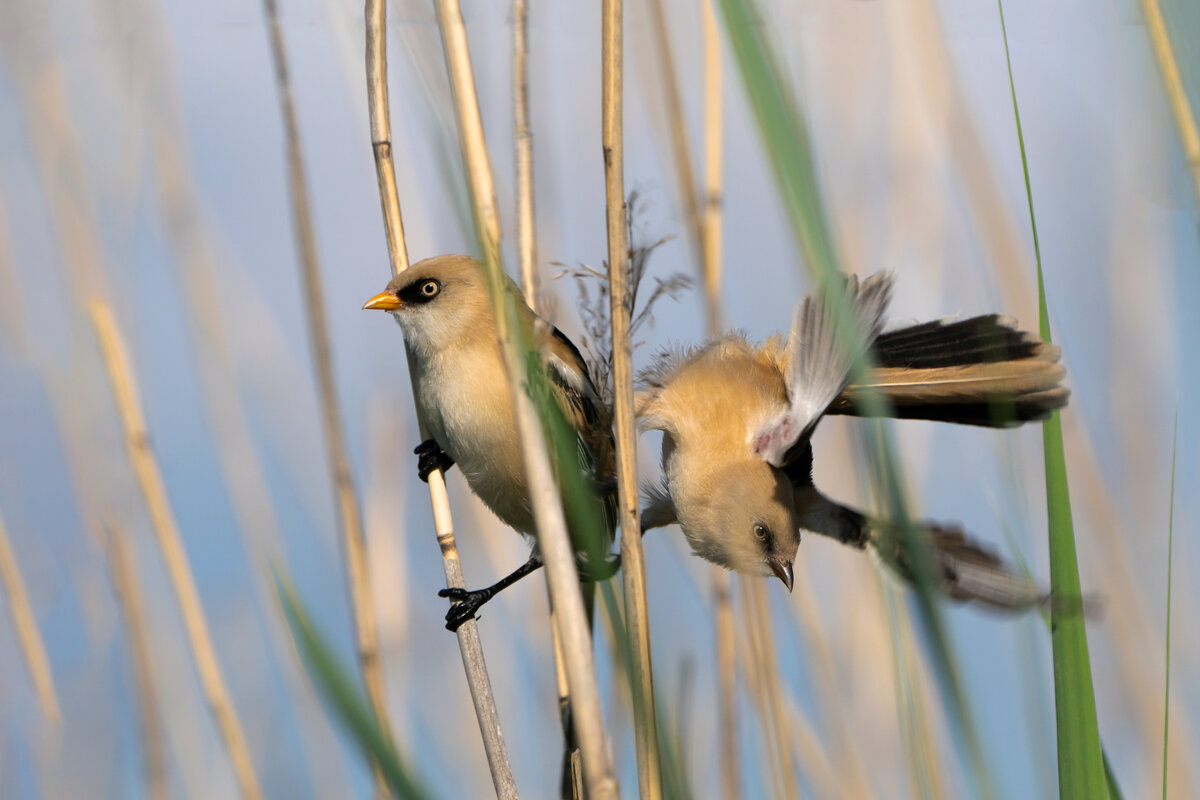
pixel 737 418
pixel 462 393
pixel 716 486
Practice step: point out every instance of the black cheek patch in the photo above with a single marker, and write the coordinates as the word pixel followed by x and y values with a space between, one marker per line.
pixel 412 294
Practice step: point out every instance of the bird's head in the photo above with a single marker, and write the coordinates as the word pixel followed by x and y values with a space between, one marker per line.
pixel 742 517
pixel 438 301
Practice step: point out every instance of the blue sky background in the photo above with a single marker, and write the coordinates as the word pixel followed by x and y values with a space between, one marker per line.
pixel 913 131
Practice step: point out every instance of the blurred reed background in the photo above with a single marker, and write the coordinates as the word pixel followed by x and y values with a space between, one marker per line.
pixel 143 167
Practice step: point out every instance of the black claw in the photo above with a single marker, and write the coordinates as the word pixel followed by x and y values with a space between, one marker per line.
pixel 466 606
pixel 431 457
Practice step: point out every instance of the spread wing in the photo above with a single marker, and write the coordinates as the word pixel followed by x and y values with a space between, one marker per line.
pixel 820 352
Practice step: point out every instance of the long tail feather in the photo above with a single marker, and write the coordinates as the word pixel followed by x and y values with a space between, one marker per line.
pixel 979 371
pixel 966 570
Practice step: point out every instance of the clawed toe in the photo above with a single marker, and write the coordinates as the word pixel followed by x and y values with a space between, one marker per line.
pixel 466 605
pixel 458 614
pixel 430 457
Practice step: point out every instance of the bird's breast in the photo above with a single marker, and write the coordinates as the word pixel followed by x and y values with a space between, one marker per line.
pixel 469 411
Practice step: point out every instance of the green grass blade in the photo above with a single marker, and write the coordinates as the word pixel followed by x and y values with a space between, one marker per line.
pixel 346 699
pixel 1081 771
pixel 781 125
pixel 1170 548
pixel 1110 778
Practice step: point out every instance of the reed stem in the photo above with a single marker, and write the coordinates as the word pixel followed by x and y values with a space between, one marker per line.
pixel 553 540
pixel 123 569
pixel 28 635
pixel 170 542
pixel 469 644
pixel 633 567
pixel 711 235
pixel 345 495
pixel 1177 97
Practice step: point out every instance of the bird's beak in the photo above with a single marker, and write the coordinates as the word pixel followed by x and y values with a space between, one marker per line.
pixel 384 301
pixel 782 570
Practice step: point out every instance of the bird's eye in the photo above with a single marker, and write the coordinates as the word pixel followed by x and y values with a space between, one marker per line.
pixel 430 288
pixel 761 532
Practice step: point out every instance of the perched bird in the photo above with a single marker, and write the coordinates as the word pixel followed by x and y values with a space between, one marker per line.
pixel 737 420
pixel 462 396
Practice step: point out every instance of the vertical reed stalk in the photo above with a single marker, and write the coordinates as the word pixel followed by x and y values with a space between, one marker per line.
pixel 1167 634
pixel 11 321
pixel 846 757
pixel 711 233
pixel 170 542
pixel 358 574
pixel 469 644
pixel 633 568
pixel 684 170
pixel 1177 98
pixel 557 552
pixel 769 693
pixel 523 145
pixel 133 612
pixel 527 255
pixel 711 236
pixel 28 635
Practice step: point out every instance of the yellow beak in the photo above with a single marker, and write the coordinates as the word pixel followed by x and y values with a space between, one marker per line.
pixel 384 301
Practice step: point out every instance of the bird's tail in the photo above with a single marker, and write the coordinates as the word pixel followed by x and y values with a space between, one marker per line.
pixel 978 371
pixel 964 570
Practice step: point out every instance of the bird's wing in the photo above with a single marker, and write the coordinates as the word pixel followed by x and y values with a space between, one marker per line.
pixel 578 395
pixel 820 353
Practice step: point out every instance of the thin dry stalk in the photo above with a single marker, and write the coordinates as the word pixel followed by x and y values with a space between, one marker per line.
pixel 527 255
pixel 633 568
pixel 241 464
pixel 768 690
pixel 170 542
pixel 922 708
pixel 469 644
pixel 720 580
pixel 555 545
pixel 826 779
pixel 689 192
pixel 849 764
pixel 711 231
pixel 1177 98
pixel 366 630
pixel 523 144
pixel 30 638
pixel 133 611
pixel 11 321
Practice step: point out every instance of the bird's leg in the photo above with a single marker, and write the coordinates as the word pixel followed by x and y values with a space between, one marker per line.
pixel 469 602
pixel 431 457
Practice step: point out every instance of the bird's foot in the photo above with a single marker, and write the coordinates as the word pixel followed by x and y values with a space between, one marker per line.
pixel 466 604
pixel 431 456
